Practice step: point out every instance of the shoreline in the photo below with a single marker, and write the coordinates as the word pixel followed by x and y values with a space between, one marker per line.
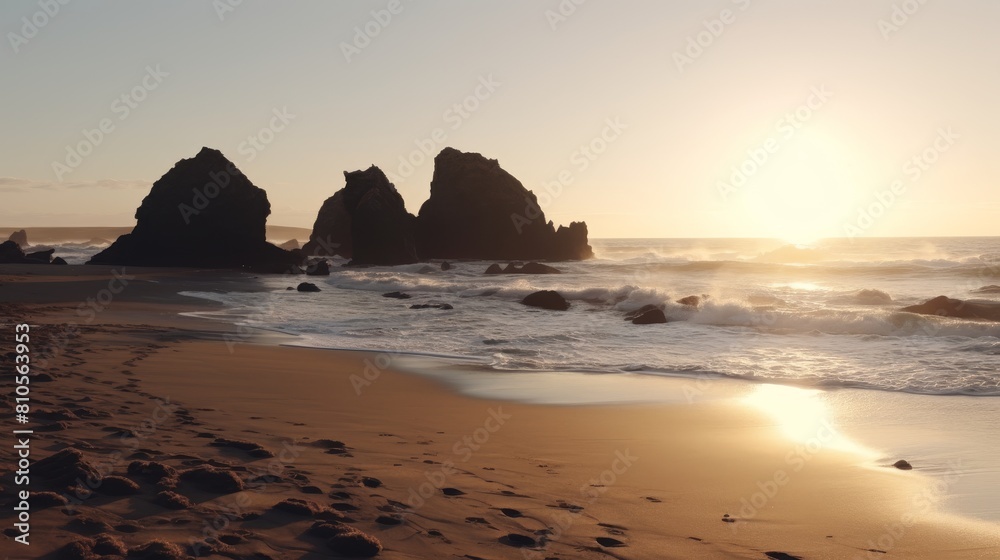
pixel 703 460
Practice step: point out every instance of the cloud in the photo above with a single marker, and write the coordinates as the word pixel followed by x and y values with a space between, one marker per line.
pixel 18 185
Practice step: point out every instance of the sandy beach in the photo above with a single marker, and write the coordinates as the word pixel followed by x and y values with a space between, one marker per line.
pixel 345 439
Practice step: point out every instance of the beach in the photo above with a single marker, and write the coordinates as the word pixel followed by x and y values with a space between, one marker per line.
pixel 424 468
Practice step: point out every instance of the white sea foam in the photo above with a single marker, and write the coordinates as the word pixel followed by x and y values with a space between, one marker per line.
pixel 832 322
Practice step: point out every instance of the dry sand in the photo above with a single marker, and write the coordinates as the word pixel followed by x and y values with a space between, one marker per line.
pixel 427 472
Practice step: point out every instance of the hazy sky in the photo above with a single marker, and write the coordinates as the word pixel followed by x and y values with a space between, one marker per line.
pixel 644 108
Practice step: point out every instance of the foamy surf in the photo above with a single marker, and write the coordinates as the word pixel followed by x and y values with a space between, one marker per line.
pixel 827 323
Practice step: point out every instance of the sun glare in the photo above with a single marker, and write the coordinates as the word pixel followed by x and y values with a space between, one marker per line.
pixel 806 195
pixel 802 417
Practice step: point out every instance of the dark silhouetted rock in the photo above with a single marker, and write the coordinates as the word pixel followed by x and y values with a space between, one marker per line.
pixel 331 234
pixel 432 306
pixel 479 211
pixel 642 311
pixel 903 465
pixel 319 268
pixel 20 237
pixel 202 213
pixel 651 317
pixel 59 260
pixel 547 300
pixel 446 266
pixel 536 268
pixel 365 221
pixel 494 269
pixel 290 245
pixel 307 287
pixel 41 257
pixel 609 542
pixel 947 307
pixel 11 252
pixel 693 301
pixel 397 295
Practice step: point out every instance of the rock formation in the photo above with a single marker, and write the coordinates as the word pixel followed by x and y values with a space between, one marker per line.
pixel 947 307
pixel 11 253
pixel 692 301
pixel 547 299
pixel 365 221
pixel 331 234
pixel 20 237
pixel 290 245
pixel 318 268
pixel 650 317
pixel 202 213
pixel 41 257
pixel 479 211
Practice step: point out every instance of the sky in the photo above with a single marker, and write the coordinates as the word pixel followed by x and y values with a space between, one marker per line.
pixel 795 119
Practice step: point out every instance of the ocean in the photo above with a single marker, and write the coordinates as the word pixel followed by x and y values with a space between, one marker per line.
pixel 823 316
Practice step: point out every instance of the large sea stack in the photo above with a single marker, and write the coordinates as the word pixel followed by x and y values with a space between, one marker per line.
pixel 202 213
pixel 365 221
pixel 479 211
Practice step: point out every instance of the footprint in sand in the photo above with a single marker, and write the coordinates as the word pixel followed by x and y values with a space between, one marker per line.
pixel 781 556
pixel 518 541
pixel 452 492
pixel 509 512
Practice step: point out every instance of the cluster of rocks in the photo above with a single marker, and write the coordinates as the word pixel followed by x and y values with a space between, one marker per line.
pixel 476 210
pixel 12 251
pixel 205 212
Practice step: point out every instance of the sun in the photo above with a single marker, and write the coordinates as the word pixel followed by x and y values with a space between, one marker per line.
pixel 805 194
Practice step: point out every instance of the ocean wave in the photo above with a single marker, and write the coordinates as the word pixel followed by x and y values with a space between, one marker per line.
pixel 866 312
